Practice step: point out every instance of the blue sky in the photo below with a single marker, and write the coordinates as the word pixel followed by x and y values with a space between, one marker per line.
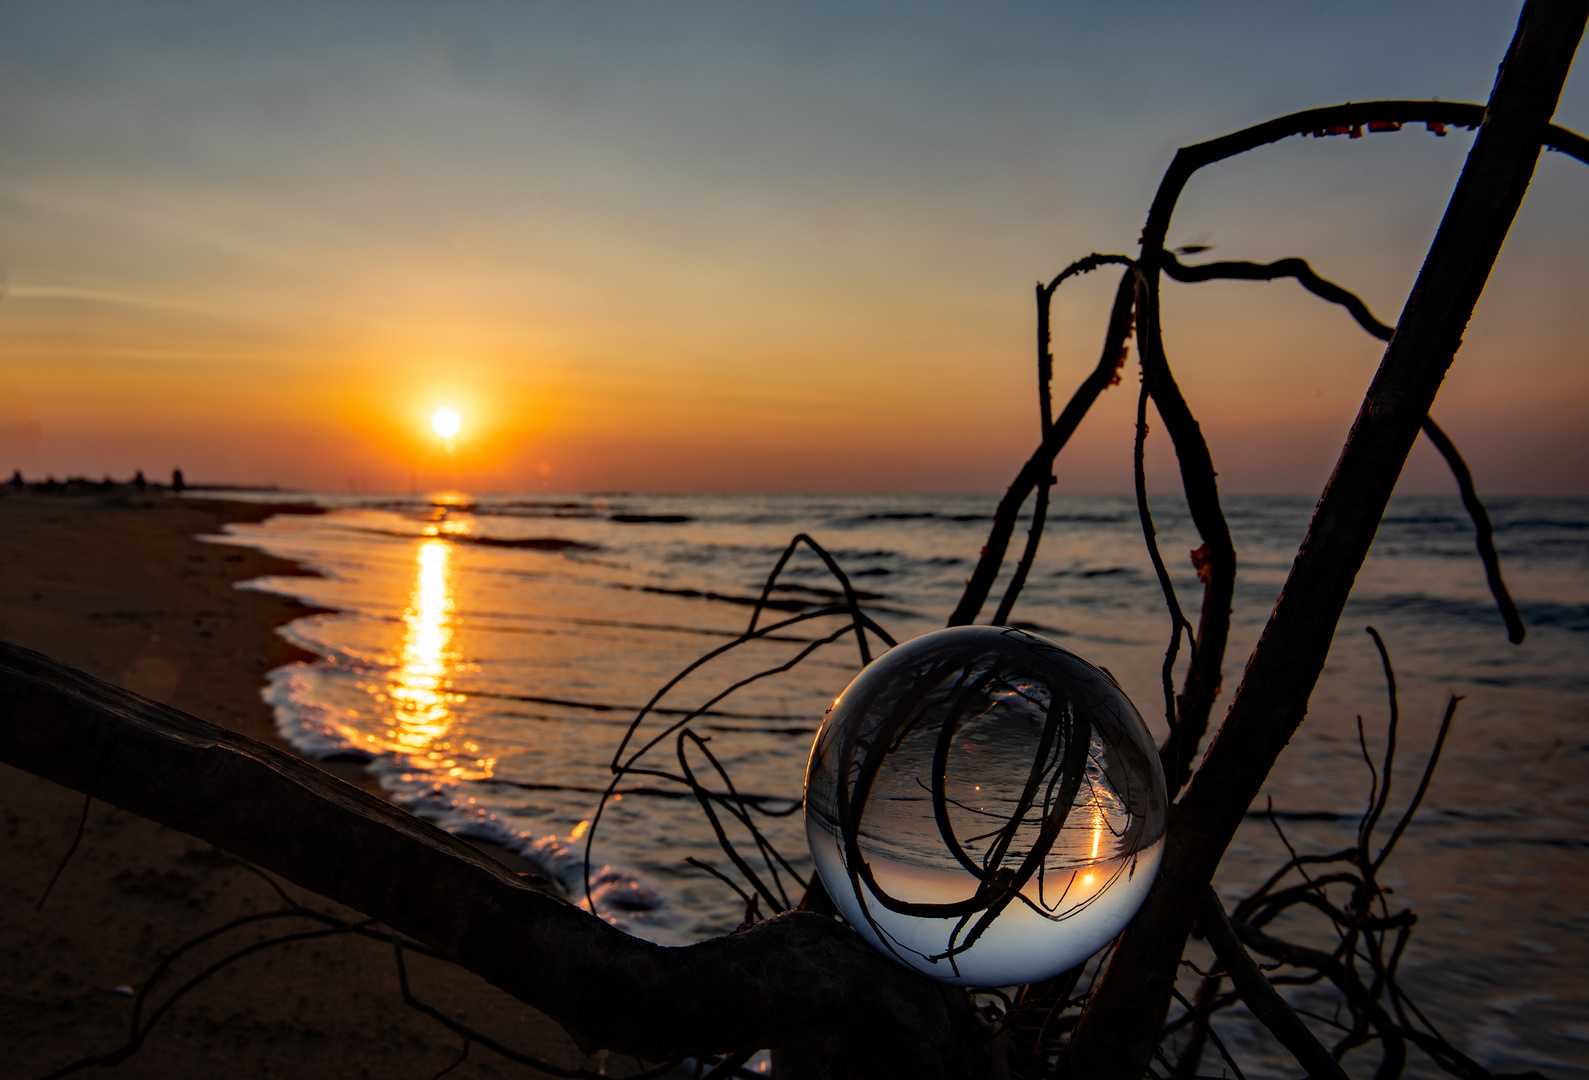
pixel 728 246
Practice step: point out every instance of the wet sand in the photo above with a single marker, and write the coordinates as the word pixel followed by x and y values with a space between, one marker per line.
pixel 116 584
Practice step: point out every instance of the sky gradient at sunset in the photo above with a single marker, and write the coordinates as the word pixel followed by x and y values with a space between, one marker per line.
pixel 731 246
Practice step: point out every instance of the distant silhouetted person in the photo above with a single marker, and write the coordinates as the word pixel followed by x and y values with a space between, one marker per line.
pixel 138 481
pixel 176 481
pixel 16 479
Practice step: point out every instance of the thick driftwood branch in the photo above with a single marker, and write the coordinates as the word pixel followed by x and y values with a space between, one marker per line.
pixel 799 981
pixel 1118 1032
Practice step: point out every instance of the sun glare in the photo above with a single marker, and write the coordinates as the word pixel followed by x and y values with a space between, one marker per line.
pixel 446 423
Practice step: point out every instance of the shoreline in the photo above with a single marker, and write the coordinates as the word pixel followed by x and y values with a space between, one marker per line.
pixel 117 584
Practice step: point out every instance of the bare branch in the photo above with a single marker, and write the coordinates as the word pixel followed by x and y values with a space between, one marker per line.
pixel 1263 999
pixel 1117 1033
pixel 1329 290
pixel 1041 464
pixel 1484 535
pixel 1292 268
pixel 1423 785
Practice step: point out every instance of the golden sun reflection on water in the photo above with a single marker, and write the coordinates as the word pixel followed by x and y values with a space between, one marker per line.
pixel 420 691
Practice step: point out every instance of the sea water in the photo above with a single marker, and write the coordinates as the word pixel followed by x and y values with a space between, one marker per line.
pixel 486 654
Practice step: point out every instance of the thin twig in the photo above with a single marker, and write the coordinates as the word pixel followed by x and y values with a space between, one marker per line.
pixel 1261 998
pixel 1034 537
pixel 77 838
pixel 1329 290
pixel 1041 464
pixel 139 1029
pixel 1178 621
pixel 1219 1044
pixel 463 1053
pixel 1483 533
pixel 1366 829
pixel 1281 268
pixel 1423 785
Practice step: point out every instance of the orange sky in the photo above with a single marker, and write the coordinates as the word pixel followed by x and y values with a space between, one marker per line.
pixel 786 252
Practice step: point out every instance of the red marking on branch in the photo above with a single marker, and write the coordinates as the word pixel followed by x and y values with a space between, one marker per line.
pixel 1120 365
pixel 1125 353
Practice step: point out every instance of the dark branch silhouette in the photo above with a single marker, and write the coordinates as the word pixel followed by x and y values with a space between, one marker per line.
pixel 1118 1032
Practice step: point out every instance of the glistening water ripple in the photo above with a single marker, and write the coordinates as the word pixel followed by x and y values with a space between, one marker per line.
pixel 487 651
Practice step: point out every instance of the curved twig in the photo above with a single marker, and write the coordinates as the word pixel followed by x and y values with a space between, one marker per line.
pixel 1423 785
pixel 1217 557
pixel 1262 998
pixel 1178 621
pixel 1041 464
pixel 1365 829
pixel 629 768
pixel 1034 538
pixel 1280 268
pixel 60 868
pixel 1484 535
pixel 1219 1044
pixel 140 1028
pixel 1329 290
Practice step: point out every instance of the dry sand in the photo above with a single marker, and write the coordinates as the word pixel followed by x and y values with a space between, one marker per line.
pixel 116 584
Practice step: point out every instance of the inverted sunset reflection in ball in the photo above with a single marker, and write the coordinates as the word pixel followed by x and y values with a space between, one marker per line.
pixel 985 806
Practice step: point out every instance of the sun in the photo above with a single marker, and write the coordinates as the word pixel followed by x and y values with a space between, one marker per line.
pixel 446 422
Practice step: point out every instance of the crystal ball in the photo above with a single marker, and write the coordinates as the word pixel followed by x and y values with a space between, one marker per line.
pixel 985 806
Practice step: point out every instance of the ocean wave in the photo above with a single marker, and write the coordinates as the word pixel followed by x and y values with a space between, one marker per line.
pixel 1522 524
pixel 618 894
pixel 312 727
pixel 915 515
pixel 1571 617
pixel 321 731
pixel 536 543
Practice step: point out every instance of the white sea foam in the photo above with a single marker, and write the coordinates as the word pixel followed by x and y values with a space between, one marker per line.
pixel 320 730
pixel 313 728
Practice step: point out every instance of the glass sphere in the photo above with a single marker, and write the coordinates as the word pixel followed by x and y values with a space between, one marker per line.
pixel 985 806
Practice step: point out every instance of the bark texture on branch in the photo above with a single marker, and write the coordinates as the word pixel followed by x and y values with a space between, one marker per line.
pixel 1118 1032
pixel 799 981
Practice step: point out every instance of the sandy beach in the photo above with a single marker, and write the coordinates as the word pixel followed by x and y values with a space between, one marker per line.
pixel 116 584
